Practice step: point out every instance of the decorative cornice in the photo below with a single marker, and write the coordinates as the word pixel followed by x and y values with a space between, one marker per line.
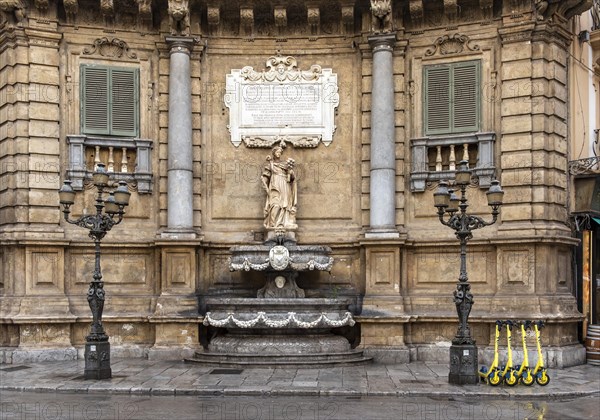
pixel 415 8
pixel 381 16
pixel 516 33
pixel 451 9
pixel 451 44
pixel 14 11
pixel 115 48
pixel 383 42
pixel 181 44
pixel 565 8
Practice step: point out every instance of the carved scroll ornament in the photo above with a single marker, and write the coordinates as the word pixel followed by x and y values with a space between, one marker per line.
pixel 451 44
pixel 281 69
pixel 110 48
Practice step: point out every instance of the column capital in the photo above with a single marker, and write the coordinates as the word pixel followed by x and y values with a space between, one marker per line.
pixel 382 42
pixel 181 44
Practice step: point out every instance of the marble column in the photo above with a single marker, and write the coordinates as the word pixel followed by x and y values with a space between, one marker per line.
pixel 180 212
pixel 383 155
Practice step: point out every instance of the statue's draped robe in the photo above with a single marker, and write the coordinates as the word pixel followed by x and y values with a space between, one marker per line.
pixel 281 196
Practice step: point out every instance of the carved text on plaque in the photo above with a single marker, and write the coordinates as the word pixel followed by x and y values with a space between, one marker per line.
pixel 282 104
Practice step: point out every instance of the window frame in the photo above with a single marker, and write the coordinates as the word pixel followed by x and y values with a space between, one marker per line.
pixel 451 93
pixel 110 129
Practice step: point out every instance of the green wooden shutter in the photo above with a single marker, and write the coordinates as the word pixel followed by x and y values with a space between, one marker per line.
pixel 94 100
pixel 437 99
pixel 109 100
pixel 124 101
pixel 465 97
pixel 452 98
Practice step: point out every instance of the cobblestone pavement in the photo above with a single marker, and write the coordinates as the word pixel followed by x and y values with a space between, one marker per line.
pixel 139 376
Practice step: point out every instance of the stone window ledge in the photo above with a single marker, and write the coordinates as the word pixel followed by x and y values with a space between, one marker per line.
pixel 80 168
pixel 480 147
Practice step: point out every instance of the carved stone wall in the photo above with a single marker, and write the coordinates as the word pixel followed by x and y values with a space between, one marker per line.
pixel 153 284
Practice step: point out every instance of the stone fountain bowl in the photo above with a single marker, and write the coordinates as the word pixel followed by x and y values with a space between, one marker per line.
pixel 278 314
pixel 280 257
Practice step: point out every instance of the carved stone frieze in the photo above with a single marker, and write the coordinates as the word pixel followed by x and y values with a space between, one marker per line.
pixel 107 7
pixel 415 8
pixel 451 9
pixel 13 10
pixel 313 14
pixel 381 16
pixel 281 69
pixel 280 16
pixel 451 44
pixel 348 17
pixel 566 8
pixel 145 8
pixel 71 9
pixel 247 20
pixel 299 142
pixel 487 7
pixel 213 14
pixel 41 5
pixel 115 48
pixel 179 17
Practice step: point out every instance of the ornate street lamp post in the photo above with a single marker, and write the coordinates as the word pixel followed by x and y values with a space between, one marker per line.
pixel 109 212
pixel 463 352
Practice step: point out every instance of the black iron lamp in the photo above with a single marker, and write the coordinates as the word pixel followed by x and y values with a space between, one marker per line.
pixel 109 212
pixel 463 352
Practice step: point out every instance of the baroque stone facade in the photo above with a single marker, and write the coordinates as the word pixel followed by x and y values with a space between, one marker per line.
pixel 367 194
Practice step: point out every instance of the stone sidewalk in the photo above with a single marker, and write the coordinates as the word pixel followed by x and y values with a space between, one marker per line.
pixel 140 376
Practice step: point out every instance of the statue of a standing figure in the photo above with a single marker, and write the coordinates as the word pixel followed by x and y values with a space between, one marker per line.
pixel 279 181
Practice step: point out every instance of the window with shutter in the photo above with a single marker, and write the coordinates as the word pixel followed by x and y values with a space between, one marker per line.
pixel 109 100
pixel 451 98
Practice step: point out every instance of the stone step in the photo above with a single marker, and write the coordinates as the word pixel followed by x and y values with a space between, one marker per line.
pixel 351 358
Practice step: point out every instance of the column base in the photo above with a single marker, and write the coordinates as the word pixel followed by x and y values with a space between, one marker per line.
pixel 97 360
pixel 178 234
pixel 382 234
pixel 463 365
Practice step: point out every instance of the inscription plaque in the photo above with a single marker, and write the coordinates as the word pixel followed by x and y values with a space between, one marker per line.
pixel 281 103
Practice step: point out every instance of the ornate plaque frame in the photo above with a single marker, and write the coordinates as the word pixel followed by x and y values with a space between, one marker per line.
pixel 282 104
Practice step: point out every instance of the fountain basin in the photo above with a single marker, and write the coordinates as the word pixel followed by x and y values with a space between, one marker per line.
pixel 279 258
pixel 278 331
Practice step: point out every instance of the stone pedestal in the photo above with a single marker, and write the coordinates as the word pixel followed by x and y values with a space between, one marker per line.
pixel 97 360
pixel 463 365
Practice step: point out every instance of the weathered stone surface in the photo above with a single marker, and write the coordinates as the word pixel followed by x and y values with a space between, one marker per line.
pixel 407 281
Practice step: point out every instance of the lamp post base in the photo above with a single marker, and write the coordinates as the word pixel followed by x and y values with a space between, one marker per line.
pixel 97 360
pixel 463 365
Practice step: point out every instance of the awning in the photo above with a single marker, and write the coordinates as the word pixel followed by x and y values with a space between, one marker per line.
pixel 595 219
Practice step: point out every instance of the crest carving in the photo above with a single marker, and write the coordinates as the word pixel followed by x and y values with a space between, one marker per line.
pixel 115 48
pixel 451 44
pixel 279 257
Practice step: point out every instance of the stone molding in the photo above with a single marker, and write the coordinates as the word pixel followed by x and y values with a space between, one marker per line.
pixel 181 44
